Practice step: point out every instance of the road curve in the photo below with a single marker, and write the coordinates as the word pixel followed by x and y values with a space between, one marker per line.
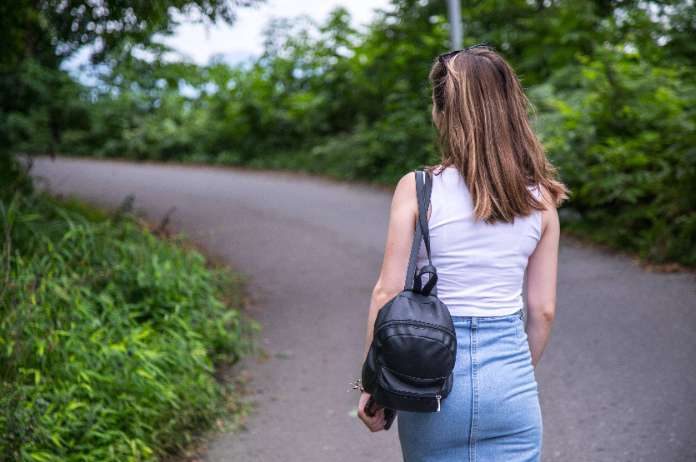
pixel 617 381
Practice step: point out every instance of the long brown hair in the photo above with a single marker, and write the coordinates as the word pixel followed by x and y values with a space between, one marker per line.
pixel 480 112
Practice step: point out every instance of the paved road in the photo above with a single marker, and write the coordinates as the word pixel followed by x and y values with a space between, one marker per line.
pixel 617 382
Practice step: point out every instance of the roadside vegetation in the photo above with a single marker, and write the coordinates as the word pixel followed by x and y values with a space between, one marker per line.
pixel 109 335
pixel 611 85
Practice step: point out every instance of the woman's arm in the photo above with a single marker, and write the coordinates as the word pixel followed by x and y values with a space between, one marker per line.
pixel 542 270
pixel 402 223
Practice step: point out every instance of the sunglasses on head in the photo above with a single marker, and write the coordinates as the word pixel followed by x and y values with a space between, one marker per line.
pixel 444 57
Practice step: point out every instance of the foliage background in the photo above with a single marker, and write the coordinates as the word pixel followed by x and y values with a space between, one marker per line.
pixel 611 82
pixel 107 344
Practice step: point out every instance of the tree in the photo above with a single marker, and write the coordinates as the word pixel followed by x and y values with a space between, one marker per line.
pixel 38 35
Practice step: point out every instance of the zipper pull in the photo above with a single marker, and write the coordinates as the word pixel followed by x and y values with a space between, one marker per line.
pixel 437 397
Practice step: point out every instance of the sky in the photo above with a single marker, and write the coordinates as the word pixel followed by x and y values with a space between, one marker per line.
pixel 240 41
pixel 243 39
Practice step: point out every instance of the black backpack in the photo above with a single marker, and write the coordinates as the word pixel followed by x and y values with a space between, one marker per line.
pixel 410 362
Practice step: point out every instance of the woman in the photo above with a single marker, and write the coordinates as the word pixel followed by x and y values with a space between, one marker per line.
pixel 492 219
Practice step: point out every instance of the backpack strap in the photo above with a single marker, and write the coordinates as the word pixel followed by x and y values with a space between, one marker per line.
pixel 413 277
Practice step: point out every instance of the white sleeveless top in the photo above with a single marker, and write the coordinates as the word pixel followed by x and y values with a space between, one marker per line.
pixel 480 267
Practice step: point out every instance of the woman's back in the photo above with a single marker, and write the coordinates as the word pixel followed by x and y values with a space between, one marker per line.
pixel 481 113
pixel 480 266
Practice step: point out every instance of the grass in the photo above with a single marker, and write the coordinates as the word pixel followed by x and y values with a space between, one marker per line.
pixel 111 338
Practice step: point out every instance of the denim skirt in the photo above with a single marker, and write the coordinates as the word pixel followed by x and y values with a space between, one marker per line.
pixel 492 413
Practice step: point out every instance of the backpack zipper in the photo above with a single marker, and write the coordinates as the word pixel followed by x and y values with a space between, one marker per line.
pixel 414 321
pixel 437 396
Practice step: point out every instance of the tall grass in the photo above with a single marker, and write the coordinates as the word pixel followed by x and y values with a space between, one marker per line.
pixel 108 336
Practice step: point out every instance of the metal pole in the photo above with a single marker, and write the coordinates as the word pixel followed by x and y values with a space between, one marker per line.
pixel 455 19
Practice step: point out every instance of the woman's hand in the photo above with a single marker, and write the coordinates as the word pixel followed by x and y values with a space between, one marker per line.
pixel 375 423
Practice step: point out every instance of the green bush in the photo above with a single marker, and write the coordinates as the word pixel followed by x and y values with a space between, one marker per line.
pixel 374 153
pixel 108 336
pixel 624 142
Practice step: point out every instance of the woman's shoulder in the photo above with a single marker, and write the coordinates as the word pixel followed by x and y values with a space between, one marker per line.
pixel 410 179
pixel 406 180
pixel 543 194
pixel 405 190
pixel 549 215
